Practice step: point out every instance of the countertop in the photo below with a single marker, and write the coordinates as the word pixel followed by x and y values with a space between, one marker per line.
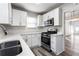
pixel 31 33
pixel 26 50
pixel 56 34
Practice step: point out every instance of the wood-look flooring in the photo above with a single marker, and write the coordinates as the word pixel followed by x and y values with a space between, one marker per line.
pixel 72 48
pixel 40 51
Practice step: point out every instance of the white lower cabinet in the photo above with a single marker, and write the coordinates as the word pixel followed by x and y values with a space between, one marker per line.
pixel 36 40
pixel 33 40
pixel 57 44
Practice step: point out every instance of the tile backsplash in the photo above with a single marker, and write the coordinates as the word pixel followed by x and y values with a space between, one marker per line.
pixel 20 29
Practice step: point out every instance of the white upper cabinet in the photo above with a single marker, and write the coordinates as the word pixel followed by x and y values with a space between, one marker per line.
pixel 16 17
pixel 45 17
pixel 23 18
pixel 19 18
pixel 57 16
pixel 51 14
pixel 12 16
pixel 40 21
pixel 5 13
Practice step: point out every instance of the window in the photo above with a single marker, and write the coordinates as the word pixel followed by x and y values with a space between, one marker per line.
pixel 31 22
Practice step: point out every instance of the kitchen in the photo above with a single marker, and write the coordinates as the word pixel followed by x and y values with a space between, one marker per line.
pixel 39 29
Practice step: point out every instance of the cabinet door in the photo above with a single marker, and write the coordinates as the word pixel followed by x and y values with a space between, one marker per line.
pixel 56 16
pixel 29 40
pixel 53 43
pixel 36 40
pixel 51 14
pixel 4 13
pixel 16 17
pixel 19 18
pixel 40 20
pixel 23 16
pixel 59 44
pixel 10 13
pixel 45 17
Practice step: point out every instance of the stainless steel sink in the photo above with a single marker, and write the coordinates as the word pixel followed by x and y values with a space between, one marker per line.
pixel 11 48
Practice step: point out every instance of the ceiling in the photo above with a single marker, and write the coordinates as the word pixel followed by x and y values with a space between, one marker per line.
pixel 37 7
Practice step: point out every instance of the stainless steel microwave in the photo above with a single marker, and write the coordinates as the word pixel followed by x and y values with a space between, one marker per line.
pixel 49 22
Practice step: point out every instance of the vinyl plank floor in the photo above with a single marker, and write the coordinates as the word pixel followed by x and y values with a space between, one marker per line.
pixel 40 51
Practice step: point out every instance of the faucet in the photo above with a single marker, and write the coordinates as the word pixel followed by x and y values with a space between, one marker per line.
pixel 4 29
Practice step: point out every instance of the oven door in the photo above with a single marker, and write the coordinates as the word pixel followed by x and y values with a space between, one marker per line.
pixel 46 40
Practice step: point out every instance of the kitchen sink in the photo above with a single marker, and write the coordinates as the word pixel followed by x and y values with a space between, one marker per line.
pixel 11 43
pixel 11 48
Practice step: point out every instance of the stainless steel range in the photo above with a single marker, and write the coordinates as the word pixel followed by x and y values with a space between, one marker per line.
pixel 46 39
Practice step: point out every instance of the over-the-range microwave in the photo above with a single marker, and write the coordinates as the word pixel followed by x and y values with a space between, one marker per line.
pixel 49 22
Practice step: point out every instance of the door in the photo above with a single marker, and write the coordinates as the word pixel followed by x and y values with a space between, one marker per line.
pixel 68 37
pixel 72 37
pixel 75 45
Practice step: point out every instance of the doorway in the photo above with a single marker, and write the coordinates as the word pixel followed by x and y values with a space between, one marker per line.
pixel 72 37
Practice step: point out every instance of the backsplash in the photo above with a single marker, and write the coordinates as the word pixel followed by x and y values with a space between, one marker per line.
pixel 20 29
